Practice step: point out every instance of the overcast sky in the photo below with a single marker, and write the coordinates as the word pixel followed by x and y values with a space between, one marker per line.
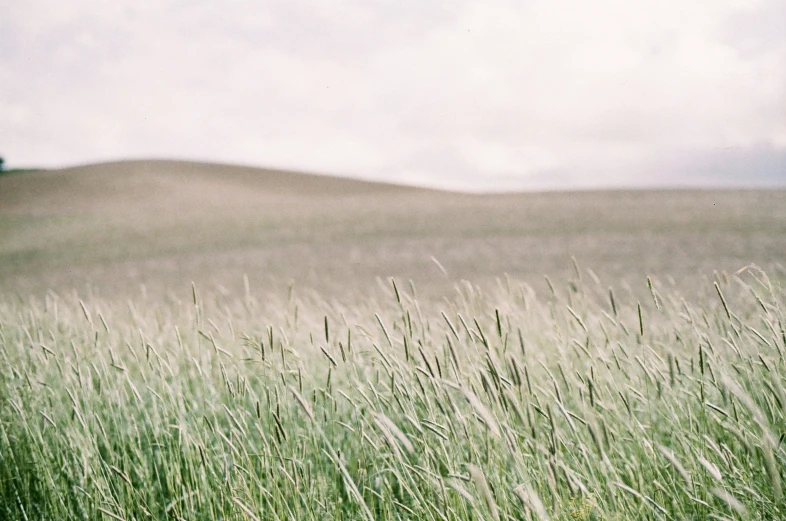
pixel 477 95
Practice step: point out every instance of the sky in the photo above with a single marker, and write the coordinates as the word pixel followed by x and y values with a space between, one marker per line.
pixel 481 96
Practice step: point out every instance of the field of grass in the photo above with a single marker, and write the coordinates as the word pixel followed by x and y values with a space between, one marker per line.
pixel 114 227
pixel 439 356
pixel 577 404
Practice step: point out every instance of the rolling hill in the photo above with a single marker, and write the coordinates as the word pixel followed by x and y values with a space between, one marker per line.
pixel 115 226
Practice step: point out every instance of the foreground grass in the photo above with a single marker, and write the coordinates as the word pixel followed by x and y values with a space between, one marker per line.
pixel 582 403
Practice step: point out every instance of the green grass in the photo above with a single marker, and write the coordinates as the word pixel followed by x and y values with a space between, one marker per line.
pixel 125 394
pixel 496 403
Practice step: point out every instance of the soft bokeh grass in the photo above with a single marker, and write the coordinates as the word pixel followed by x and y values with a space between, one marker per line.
pixel 114 227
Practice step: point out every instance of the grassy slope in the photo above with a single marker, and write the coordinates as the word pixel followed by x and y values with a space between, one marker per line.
pixel 500 403
pixel 166 223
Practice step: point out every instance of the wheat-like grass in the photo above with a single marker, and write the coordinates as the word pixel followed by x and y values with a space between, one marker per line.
pixel 502 405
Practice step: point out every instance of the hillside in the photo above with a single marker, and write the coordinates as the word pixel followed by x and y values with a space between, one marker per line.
pixel 115 226
pixel 183 185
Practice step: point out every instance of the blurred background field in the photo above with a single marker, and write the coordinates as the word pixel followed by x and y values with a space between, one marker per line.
pixel 113 228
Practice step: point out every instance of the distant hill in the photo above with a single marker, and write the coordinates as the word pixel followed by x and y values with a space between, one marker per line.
pixel 121 185
pixel 114 226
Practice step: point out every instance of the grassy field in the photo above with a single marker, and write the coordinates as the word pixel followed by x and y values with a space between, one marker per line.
pixel 116 226
pixel 645 381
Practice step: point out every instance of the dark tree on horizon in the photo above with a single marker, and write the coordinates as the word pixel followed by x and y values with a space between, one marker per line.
pixel 2 161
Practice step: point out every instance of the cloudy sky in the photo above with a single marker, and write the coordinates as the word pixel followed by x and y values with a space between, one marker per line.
pixel 476 95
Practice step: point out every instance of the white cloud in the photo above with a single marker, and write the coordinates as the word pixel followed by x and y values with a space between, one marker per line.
pixel 475 95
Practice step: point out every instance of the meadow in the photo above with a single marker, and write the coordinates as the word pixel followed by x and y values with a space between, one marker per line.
pixel 111 228
pixel 175 344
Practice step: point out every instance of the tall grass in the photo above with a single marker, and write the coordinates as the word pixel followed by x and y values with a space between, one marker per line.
pixel 581 403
